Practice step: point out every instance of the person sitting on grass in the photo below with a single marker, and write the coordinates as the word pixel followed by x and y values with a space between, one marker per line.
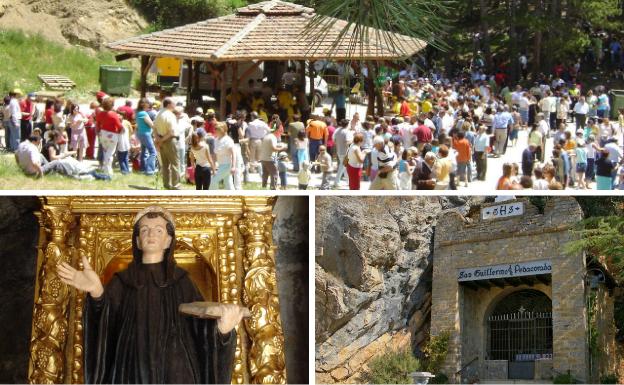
pixel 34 163
pixel 52 149
pixel 29 159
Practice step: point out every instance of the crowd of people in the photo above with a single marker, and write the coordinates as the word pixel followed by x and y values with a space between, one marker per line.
pixel 439 133
pixel 442 134
pixel 152 138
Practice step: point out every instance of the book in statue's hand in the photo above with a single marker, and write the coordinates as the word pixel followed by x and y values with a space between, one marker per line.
pixel 213 310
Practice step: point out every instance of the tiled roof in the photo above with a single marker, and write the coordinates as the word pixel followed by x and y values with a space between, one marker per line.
pixel 270 30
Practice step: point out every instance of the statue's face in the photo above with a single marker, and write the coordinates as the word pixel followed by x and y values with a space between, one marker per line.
pixel 153 234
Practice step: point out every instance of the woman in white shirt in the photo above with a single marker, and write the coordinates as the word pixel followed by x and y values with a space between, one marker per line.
pixel 79 141
pixel 6 121
pixel 562 110
pixel 355 160
pixel 226 159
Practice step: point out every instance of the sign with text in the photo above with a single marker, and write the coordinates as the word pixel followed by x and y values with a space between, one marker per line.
pixel 505 271
pixel 502 211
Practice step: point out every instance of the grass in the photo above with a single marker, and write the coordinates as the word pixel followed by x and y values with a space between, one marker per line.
pixel 23 57
pixel 12 178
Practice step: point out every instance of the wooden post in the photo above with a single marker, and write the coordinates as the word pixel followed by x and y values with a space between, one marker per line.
pixel 223 101
pixel 311 75
pixel 144 69
pixel 189 82
pixel 234 100
pixel 196 75
pixel 378 90
pixel 302 73
pixel 370 90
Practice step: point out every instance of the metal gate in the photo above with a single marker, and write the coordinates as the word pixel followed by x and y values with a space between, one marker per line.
pixel 523 336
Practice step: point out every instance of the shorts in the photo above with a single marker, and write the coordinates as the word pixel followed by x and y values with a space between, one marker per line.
pixel 581 167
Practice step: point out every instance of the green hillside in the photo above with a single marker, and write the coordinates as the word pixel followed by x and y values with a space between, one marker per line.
pixel 24 57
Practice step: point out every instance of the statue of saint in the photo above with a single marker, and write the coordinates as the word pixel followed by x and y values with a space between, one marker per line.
pixel 133 331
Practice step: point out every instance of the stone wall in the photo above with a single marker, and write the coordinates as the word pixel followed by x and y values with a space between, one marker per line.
pixel 608 357
pixel 467 241
pixel 19 230
pixel 373 278
pixel 291 236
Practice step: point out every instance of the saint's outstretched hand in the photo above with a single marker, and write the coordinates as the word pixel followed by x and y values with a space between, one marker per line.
pixel 86 280
pixel 228 315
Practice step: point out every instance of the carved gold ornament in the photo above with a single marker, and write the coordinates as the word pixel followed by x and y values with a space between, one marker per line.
pixel 224 242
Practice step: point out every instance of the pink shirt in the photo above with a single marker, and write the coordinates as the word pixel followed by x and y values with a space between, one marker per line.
pixel 330 137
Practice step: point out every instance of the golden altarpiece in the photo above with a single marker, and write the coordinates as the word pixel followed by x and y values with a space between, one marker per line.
pixel 225 243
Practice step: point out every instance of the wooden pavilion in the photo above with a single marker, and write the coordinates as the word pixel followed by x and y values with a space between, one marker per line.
pixel 268 31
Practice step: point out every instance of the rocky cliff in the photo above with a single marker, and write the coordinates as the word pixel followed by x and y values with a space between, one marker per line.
pixel 87 23
pixel 373 278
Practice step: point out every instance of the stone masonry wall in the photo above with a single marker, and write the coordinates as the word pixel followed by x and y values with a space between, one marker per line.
pixel 469 242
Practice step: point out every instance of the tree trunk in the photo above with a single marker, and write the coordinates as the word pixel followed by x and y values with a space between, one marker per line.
pixel 537 47
pixel 513 40
pixel 552 33
pixel 485 33
pixel 144 70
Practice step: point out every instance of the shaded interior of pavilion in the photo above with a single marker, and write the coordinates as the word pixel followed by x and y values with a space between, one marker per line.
pixel 226 56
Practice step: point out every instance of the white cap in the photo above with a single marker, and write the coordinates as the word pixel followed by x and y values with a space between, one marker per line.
pixel 199 110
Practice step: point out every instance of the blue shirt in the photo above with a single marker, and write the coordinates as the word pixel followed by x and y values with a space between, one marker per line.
pixel 581 155
pixel 603 102
pixel 482 142
pixel 502 120
pixel 403 166
pixel 142 127
pixel 566 162
pixel 341 101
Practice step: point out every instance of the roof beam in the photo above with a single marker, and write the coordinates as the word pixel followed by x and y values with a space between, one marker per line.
pixel 249 71
pixel 239 36
pixel 125 56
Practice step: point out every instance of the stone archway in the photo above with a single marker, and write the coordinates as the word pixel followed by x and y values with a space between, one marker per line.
pixel 519 330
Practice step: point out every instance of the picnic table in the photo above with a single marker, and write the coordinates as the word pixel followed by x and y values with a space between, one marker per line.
pixel 57 82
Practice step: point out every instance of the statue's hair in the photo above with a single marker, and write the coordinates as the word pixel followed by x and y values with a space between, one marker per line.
pixel 137 253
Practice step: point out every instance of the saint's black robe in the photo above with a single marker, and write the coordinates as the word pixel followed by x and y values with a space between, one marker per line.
pixel 135 334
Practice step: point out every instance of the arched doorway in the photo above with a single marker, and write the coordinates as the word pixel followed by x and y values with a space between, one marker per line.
pixel 520 332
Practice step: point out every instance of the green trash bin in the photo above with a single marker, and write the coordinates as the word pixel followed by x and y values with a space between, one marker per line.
pixel 617 102
pixel 115 80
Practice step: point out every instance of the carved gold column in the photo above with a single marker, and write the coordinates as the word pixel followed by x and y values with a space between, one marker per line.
pixel 266 355
pixel 50 321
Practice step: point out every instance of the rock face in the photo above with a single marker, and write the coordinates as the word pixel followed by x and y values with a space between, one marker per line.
pixel 290 235
pixel 373 278
pixel 19 232
pixel 87 23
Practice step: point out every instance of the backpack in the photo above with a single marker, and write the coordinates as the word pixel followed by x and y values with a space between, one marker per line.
pixel 345 160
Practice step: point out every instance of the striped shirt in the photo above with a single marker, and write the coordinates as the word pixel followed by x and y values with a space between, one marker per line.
pixel 387 158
